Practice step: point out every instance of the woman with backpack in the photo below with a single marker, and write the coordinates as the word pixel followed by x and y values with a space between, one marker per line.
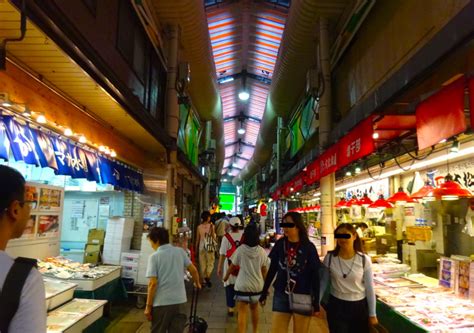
pixel 229 244
pixel 206 244
pixel 351 304
pixel 295 263
pixel 251 261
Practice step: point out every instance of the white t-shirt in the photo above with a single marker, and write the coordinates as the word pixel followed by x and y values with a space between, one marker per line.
pixel 31 314
pixel 251 260
pixel 352 287
pixel 225 246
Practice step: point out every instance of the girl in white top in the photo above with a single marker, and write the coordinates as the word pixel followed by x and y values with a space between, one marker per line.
pixel 351 306
pixel 224 255
pixel 253 262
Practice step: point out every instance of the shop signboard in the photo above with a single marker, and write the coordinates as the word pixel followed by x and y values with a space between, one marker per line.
pixel 299 182
pixel 357 143
pixel 312 173
pixel 48 150
pixel 441 116
pixel 328 161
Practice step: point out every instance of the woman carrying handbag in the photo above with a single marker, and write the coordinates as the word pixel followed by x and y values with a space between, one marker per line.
pixel 206 243
pixel 295 263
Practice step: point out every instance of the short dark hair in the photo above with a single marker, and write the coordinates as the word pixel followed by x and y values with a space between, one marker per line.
pixel 205 215
pixel 12 187
pixel 159 235
pixel 251 236
pixel 363 225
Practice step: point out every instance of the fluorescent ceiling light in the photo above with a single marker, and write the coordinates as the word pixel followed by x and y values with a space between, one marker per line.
pixel 243 95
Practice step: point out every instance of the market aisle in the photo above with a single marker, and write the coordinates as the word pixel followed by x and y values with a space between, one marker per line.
pixel 212 308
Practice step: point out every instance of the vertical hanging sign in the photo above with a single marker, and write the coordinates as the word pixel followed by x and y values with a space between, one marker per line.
pixel 357 143
pixel 328 161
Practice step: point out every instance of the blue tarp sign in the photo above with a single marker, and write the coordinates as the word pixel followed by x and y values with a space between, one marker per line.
pixel 21 141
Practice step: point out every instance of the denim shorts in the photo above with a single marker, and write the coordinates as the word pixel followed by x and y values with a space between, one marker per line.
pixel 247 299
pixel 281 302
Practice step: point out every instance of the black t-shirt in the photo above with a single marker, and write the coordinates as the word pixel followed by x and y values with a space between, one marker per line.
pixel 304 266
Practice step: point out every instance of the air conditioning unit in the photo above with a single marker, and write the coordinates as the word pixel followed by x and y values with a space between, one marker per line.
pixel 312 81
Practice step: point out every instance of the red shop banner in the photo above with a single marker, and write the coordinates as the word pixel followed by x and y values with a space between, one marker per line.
pixel 471 100
pixel 312 173
pixel 288 189
pixel 328 161
pixel 357 143
pixel 299 182
pixel 441 116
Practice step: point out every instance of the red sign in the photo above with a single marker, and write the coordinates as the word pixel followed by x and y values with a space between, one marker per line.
pixel 328 161
pixel 299 182
pixel 288 189
pixel 471 100
pixel 441 116
pixel 357 143
pixel 312 172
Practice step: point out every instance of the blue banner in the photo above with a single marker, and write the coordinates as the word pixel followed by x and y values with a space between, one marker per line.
pixel 38 148
pixel 4 143
pixel 21 141
pixel 45 150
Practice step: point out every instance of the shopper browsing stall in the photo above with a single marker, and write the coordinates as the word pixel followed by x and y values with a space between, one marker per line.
pixel 295 263
pixel 230 242
pixel 21 284
pixel 251 261
pixel 351 304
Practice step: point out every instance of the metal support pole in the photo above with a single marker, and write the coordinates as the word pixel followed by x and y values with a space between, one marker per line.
pixel 172 124
pixel 278 152
pixel 328 183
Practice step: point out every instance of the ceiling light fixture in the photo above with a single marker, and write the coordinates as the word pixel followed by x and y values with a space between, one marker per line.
pixel 244 95
pixel 113 153
pixel 358 170
pixel 348 173
pixel 82 139
pixel 67 132
pixel 241 131
pixel 26 111
pixel 375 136
pixel 102 148
pixel 41 119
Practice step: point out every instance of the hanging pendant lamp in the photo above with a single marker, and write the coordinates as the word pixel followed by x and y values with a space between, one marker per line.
pixel 365 201
pixel 381 203
pixel 426 193
pixel 400 197
pixel 341 204
pixel 353 202
pixel 451 190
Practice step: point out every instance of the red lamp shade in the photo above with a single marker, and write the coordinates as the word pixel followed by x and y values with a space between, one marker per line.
pixel 451 190
pixel 427 191
pixel 353 202
pixel 341 204
pixel 400 196
pixel 381 203
pixel 365 201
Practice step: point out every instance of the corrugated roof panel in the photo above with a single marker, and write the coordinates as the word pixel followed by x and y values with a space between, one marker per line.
pixel 261 51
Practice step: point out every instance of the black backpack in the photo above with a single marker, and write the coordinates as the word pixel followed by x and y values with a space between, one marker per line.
pixel 11 292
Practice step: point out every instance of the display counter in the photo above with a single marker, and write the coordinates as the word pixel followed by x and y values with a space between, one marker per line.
pixel 75 316
pixel 417 304
pixel 87 277
pixel 57 292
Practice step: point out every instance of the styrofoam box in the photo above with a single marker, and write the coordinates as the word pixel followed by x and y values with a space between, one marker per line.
pixel 132 257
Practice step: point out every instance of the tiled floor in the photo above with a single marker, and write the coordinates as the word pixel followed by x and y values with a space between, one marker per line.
pixel 211 307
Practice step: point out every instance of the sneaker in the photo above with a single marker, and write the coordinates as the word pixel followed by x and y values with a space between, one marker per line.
pixel 208 283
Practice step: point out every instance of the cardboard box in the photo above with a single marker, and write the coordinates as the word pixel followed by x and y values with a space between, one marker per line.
pixel 92 254
pixel 96 236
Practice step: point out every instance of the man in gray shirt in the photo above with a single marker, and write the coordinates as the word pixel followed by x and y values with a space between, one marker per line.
pixel 166 291
pixel 30 316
